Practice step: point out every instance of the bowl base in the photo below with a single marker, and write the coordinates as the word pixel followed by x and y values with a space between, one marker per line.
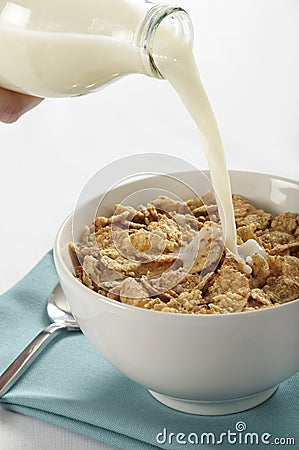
pixel 218 408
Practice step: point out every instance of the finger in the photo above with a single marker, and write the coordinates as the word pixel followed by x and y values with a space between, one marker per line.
pixel 13 105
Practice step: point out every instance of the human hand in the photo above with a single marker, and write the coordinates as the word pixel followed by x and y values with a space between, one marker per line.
pixel 13 105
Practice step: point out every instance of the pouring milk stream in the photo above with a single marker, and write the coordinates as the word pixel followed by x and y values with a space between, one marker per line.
pixel 54 48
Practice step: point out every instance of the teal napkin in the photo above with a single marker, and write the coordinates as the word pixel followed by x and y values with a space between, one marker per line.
pixel 72 386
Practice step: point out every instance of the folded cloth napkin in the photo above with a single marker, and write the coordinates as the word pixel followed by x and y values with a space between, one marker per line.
pixel 71 385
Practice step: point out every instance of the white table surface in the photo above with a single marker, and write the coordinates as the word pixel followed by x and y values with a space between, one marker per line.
pixel 248 53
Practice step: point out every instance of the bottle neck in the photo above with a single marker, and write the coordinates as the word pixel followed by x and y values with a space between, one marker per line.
pixel 179 23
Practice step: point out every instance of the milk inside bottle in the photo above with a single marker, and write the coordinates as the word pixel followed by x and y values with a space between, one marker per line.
pixel 61 48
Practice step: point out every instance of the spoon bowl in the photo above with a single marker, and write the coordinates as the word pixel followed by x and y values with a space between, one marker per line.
pixel 58 309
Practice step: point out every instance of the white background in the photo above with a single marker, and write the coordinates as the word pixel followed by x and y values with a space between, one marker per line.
pixel 248 54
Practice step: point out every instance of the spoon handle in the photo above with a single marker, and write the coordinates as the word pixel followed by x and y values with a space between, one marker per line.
pixel 28 355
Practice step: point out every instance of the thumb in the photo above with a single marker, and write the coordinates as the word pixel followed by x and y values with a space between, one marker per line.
pixel 13 105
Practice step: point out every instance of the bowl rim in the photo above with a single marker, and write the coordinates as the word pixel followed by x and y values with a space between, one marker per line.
pixel 60 264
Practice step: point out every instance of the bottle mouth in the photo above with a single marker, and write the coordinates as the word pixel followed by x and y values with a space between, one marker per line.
pixel 180 23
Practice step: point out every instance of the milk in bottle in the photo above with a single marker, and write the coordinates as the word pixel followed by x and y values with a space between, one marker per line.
pixel 61 48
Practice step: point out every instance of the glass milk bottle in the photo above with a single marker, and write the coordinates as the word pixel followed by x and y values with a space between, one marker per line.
pixel 64 48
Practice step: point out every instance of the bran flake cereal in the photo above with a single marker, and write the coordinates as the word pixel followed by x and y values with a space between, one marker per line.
pixel 135 257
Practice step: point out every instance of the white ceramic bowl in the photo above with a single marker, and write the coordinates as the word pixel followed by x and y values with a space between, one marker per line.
pixel 209 364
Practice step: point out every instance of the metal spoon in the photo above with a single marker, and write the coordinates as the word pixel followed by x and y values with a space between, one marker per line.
pixel 59 312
